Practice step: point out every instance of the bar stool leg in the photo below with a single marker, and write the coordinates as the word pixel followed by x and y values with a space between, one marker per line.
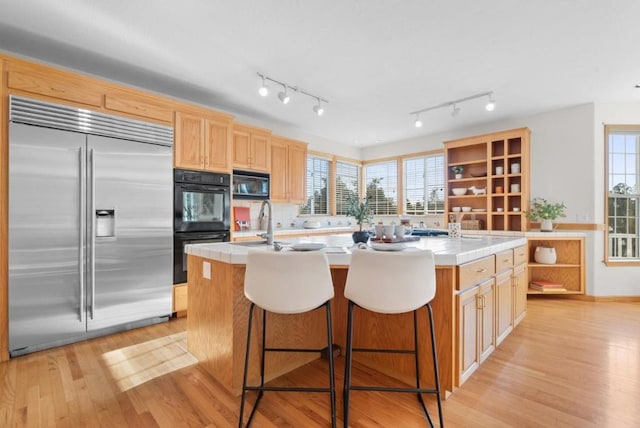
pixel 246 366
pixel 347 364
pixel 434 354
pixel 332 385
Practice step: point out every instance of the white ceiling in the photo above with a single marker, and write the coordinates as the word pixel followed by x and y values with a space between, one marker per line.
pixel 374 60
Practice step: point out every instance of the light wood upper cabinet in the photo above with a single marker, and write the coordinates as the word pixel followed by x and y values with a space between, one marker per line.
pixel 288 170
pixel 202 143
pixel 138 105
pixel 217 147
pixel 47 81
pixel 189 141
pixel 251 148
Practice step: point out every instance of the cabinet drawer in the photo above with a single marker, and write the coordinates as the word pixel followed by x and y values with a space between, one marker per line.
pixel 55 86
pixel 504 260
pixel 138 105
pixel 519 255
pixel 475 272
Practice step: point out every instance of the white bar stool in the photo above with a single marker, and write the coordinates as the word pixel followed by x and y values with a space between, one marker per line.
pixel 391 283
pixel 287 283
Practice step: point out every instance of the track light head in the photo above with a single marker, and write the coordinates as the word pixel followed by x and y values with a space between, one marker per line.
pixel 284 96
pixel 264 89
pixel 318 109
pixel 418 122
pixel 455 111
pixel 491 105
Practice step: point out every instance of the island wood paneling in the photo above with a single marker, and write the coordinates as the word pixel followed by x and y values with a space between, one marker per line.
pixel 217 331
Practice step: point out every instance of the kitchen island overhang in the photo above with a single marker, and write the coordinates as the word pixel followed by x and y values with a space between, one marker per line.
pixel 217 320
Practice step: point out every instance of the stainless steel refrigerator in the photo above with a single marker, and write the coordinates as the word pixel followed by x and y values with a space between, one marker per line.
pixel 90 224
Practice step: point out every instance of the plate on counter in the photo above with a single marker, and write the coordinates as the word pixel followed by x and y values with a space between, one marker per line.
pixel 308 246
pixel 384 246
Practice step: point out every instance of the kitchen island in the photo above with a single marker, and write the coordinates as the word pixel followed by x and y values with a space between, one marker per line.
pixel 217 321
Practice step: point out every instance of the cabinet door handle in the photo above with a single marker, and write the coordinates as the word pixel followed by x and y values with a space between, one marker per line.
pixel 506 260
pixel 483 270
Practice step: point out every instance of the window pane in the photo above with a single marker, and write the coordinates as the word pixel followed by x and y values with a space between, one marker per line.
pixel 382 185
pixel 347 185
pixel 317 186
pixel 622 182
pixel 424 185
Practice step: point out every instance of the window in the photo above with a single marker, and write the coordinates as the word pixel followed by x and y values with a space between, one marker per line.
pixel 347 185
pixel 424 185
pixel 317 186
pixel 623 193
pixel 382 185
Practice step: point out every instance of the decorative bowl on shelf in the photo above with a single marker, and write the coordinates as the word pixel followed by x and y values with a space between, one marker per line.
pixel 466 209
pixel 455 209
pixel 459 191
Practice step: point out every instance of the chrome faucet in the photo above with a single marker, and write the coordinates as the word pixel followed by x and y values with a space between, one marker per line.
pixel 269 234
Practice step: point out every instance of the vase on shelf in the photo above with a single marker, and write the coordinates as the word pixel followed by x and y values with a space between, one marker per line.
pixel 545 255
pixel 546 225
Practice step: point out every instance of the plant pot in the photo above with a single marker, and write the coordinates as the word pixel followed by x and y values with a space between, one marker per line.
pixel 458 176
pixel 360 236
pixel 546 226
pixel 545 255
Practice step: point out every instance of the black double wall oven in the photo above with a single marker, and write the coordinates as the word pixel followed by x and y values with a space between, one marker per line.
pixel 202 213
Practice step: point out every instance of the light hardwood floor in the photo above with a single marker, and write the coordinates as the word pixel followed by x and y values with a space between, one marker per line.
pixel 569 364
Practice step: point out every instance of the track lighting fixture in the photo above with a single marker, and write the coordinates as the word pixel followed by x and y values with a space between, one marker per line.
pixel 490 106
pixel 418 122
pixel 284 96
pixel 264 89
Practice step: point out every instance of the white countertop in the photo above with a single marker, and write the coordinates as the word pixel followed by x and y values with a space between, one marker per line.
pixel 447 251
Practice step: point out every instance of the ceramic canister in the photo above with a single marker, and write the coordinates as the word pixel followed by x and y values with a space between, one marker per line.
pixel 545 255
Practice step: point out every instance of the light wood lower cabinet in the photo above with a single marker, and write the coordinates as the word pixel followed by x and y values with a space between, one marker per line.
pixel 520 286
pixel 504 313
pixel 491 301
pixel 180 299
pixel 475 327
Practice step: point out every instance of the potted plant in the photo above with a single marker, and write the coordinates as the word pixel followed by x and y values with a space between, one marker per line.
pixel 457 170
pixel 360 210
pixel 546 212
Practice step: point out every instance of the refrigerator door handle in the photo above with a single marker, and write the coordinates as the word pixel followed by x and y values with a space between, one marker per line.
pixel 92 256
pixel 83 225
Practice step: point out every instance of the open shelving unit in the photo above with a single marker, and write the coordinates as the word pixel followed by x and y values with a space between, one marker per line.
pixel 501 207
pixel 569 269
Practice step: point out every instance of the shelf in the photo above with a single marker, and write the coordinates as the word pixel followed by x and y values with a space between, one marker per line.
pixel 560 293
pixel 556 265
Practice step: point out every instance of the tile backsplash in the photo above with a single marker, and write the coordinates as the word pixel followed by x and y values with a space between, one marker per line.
pixel 285 216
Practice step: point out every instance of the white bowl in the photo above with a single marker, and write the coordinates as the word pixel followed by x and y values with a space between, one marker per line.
pixel 455 209
pixel 459 191
pixel 466 209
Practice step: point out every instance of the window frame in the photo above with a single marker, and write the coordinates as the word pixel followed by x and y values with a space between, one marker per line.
pixel 330 193
pixel 608 259
pixel 398 179
pixel 424 157
pixel 358 165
